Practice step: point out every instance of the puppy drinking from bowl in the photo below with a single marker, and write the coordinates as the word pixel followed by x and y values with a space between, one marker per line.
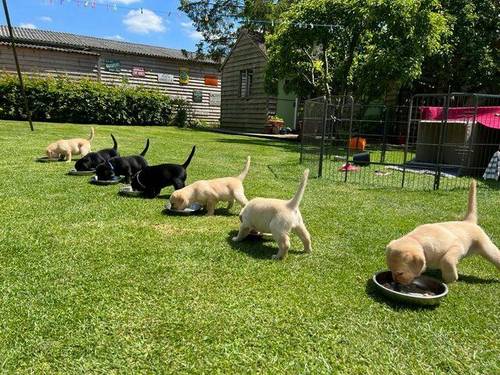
pixel 123 166
pixel 93 159
pixel 209 192
pixel 68 147
pixel 278 217
pixel 441 246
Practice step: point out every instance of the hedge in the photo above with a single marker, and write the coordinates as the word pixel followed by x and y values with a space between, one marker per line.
pixel 85 101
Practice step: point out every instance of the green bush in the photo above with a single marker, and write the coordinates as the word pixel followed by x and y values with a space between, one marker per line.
pixel 86 101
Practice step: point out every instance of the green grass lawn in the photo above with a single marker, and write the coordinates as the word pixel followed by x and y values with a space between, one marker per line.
pixel 94 282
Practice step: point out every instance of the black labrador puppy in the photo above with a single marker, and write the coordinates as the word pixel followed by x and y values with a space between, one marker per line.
pixel 93 159
pixel 122 166
pixel 151 180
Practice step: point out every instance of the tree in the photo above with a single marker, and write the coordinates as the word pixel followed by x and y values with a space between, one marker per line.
pixel 469 58
pixel 364 47
pixel 219 21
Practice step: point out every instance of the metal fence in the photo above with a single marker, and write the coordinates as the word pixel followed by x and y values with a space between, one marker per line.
pixel 436 142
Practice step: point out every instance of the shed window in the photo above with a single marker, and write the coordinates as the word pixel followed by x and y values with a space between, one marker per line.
pixel 246 78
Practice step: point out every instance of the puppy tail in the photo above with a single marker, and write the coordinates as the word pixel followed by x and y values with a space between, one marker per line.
pixel 472 205
pixel 295 201
pixel 115 144
pixel 145 148
pixel 188 160
pixel 92 133
pixel 245 170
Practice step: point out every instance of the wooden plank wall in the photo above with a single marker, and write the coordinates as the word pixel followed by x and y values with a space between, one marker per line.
pixel 49 62
pixel 246 114
pixel 76 65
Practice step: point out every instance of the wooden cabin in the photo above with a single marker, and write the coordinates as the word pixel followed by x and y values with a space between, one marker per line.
pixel 245 105
pixel 177 73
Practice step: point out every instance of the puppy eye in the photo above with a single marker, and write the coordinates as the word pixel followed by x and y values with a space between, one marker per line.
pixel 399 273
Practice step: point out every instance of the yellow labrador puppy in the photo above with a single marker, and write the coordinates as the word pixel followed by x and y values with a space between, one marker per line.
pixel 440 246
pixel 209 192
pixel 278 217
pixel 70 147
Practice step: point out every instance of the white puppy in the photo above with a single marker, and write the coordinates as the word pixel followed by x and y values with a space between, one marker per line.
pixel 278 217
pixel 69 147
pixel 209 192
pixel 441 246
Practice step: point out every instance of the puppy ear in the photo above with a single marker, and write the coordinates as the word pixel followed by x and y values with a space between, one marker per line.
pixel 419 262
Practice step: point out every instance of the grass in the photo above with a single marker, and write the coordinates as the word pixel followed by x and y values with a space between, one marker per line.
pixel 94 282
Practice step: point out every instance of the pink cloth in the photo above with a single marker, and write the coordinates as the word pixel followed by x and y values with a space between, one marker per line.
pixel 486 116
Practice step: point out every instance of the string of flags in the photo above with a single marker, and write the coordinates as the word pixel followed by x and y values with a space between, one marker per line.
pixel 114 6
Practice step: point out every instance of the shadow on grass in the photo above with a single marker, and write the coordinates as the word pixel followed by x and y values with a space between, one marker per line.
pixel 467 279
pixel 255 246
pixel 285 145
pixel 375 295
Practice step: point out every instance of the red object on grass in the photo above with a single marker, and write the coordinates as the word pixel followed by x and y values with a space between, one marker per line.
pixel 486 116
pixel 349 168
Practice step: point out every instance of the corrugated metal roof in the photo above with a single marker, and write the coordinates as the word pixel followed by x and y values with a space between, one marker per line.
pixel 72 50
pixel 88 43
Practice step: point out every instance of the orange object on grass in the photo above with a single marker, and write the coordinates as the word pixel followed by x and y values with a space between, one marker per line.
pixel 357 143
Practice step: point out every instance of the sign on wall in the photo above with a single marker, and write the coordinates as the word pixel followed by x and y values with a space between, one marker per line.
pixel 215 98
pixel 211 80
pixel 112 65
pixel 197 96
pixel 183 76
pixel 165 78
pixel 138 71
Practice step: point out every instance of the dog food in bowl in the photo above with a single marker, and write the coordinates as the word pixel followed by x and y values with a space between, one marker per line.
pixel 424 290
pixel 191 210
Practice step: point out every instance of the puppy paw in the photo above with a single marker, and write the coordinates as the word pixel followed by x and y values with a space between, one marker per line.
pixel 236 239
pixel 276 257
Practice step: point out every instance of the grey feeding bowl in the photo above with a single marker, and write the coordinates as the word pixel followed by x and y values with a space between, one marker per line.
pixel 383 282
pixel 129 192
pixel 193 209
pixel 114 181
pixel 74 172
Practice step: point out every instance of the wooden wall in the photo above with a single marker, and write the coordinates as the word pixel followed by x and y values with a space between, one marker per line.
pixel 79 65
pixel 246 114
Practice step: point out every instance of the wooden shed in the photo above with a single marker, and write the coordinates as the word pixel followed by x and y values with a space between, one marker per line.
pixel 245 105
pixel 177 73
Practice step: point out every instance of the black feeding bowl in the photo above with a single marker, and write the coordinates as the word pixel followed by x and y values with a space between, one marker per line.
pixel 46 159
pixel 424 290
pixel 74 172
pixel 129 192
pixel 193 209
pixel 115 180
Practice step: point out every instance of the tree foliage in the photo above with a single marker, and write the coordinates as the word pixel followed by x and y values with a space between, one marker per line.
pixel 469 58
pixel 370 46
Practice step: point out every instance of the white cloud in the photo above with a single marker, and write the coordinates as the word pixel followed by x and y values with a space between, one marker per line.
pixel 143 21
pixel 190 31
pixel 28 26
pixel 114 37
pixel 45 19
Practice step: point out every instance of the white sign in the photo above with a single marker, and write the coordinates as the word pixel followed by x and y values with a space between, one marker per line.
pixel 164 77
pixel 215 98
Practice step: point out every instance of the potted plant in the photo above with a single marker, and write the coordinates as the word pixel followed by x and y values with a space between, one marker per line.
pixel 274 124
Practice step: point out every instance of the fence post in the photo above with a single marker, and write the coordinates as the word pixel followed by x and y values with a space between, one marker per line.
pixel 384 141
pixel 350 133
pixel 444 123
pixel 322 145
pixel 408 128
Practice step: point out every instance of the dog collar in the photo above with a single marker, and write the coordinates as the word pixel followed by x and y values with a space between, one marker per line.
pixel 139 181
pixel 111 166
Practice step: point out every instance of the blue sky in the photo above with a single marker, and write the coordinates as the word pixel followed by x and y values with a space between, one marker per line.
pixel 158 23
